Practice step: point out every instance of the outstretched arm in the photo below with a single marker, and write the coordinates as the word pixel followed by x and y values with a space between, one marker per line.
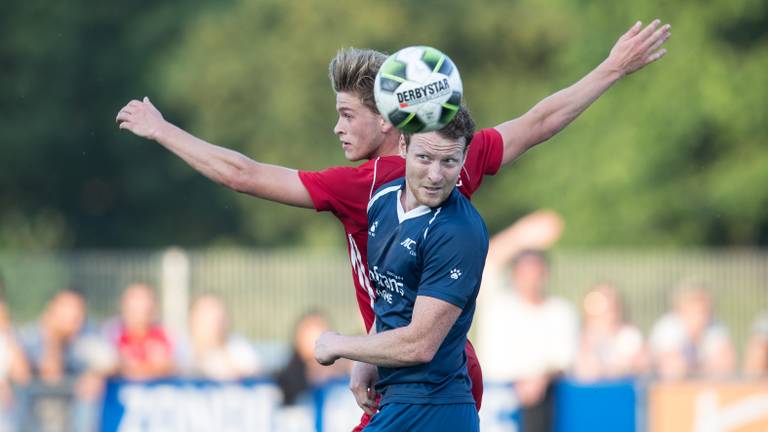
pixel 635 49
pixel 224 166
pixel 413 344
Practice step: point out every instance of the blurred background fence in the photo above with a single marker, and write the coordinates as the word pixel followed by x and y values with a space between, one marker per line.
pixel 267 290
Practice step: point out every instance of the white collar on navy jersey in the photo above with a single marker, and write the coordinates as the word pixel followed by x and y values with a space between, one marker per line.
pixel 402 216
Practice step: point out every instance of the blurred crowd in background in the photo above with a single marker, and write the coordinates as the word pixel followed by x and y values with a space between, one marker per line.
pixel 524 335
pixel 64 350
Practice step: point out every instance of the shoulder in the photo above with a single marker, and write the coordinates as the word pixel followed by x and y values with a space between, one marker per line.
pixel 339 172
pixel 458 222
pixel 667 333
pixel 459 213
pixel 560 305
pixel 668 322
pixel 385 191
pixel 487 136
pixel 158 333
pixel 717 329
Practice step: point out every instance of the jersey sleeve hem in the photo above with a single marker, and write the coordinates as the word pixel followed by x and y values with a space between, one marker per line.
pixel 498 152
pixel 317 202
pixel 457 301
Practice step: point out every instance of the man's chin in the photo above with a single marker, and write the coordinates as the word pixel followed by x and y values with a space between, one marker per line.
pixel 354 157
pixel 429 201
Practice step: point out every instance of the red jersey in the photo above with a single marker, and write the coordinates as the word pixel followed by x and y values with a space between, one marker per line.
pixel 137 348
pixel 345 191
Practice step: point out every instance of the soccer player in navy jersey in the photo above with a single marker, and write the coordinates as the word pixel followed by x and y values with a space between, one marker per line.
pixel 366 136
pixel 426 252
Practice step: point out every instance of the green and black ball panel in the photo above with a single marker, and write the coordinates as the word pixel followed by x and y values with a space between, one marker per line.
pixel 392 75
pixel 406 122
pixel 437 61
pixel 450 108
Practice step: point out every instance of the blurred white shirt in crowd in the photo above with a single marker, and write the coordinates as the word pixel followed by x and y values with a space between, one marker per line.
pixel 518 339
pixel 669 335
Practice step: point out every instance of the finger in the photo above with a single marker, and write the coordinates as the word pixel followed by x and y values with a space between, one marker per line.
pixel 373 404
pixel 368 410
pixel 125 125
pixel 643 35
pixel 134 104
pixel 123 116
pixel 363 402
pixel 632 31
pixel 658 35
pixel 125 112
pixel 658 43
pixel 148 102
pixel 655 56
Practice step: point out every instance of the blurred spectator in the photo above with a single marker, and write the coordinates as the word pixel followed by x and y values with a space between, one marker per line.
pixel 756 359
pixel 303 373
pixel 144 349
pixel 525 335
pixel 211 351
pixel 14 369
pixel 64 351
pixel 689 341
pixel 609 347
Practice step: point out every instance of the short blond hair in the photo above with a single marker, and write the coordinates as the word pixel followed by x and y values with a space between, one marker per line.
pixel 354 70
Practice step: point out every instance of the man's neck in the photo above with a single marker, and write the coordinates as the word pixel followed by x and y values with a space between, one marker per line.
pixel 408 200
pixel 389 147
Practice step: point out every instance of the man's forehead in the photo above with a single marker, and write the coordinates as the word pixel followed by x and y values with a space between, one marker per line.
pixel 432 142
pixel 347 100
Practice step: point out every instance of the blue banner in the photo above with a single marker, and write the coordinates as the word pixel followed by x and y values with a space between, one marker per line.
pixel 183 405
pixel 595 407
pixel 177 405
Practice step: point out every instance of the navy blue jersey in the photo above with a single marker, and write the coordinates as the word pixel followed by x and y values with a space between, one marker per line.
pixel 437 252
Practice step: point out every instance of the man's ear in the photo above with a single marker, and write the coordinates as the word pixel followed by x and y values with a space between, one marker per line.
pixel 384 125
pixel 402 146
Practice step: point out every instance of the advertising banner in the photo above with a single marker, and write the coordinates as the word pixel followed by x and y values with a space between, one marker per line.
pixel 708 407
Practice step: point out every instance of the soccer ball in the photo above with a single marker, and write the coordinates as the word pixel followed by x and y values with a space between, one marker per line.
pixel 418 89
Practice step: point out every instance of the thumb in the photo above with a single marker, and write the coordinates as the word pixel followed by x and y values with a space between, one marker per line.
pixel 147 101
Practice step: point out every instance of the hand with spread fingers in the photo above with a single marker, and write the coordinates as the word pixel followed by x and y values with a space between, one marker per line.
pixel 639 47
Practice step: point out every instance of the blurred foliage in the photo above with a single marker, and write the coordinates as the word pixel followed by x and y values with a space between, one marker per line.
pixel 672 155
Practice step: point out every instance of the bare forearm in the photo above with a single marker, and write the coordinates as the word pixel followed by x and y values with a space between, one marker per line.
pixel 410 345
pixel 217 163
pixel 393 348
pixel 558 110
pixel 235 170
pixel 633 51
pixel 555 112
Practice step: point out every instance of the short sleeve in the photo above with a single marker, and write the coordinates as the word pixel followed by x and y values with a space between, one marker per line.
pixel 483 158
pixel 329 188
pixel 453 264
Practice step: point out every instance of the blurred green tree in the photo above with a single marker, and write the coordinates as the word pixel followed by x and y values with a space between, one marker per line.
pixel 673 155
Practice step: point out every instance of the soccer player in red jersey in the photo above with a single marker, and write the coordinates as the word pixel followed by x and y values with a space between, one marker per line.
pixel 366 136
